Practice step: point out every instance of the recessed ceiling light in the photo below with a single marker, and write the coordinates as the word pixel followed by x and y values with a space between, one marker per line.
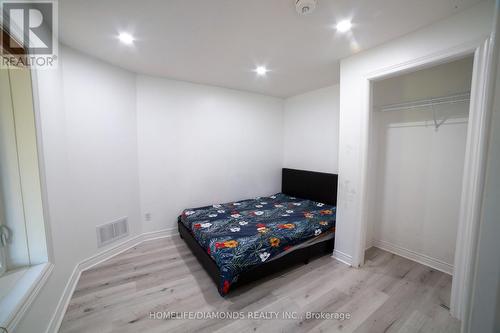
pixel 261 70
pixel 344 26
pixel 126 38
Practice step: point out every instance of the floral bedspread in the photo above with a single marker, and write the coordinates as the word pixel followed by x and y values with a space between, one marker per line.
pixel 240 235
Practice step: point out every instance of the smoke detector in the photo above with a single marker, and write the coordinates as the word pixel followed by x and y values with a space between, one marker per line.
pixel 305 7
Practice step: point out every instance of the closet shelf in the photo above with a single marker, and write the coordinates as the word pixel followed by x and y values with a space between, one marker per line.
pixel 423 103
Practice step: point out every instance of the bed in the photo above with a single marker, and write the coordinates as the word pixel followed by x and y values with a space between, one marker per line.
pixel 240 242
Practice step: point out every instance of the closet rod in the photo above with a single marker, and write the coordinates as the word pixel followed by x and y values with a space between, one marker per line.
pixel 452 99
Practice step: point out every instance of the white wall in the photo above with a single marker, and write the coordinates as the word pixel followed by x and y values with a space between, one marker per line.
pixel 89 134
pixel 418 189
pixel 200 144
pixel 418 169
pixel 466 26
pixel 102 143
pixel 311 129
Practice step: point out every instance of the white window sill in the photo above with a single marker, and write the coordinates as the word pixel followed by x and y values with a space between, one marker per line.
pixel 17 301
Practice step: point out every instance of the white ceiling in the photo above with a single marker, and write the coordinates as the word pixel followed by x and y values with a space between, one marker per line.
pixel 219 42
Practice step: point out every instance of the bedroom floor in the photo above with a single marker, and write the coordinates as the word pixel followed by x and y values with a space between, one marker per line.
pixel 389 294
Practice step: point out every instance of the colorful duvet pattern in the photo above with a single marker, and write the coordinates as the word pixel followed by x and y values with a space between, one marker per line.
pixel 240 235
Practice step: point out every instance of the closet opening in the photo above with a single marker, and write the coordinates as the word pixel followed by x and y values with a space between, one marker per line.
pixel 417 151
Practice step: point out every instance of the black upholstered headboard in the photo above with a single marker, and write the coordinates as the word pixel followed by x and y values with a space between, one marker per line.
pixel 317 186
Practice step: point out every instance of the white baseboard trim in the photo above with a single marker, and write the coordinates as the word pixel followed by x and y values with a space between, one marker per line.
pixel 62 305
pixel 151 235
pixel 342 257
pixel 369 244
pixel 415 256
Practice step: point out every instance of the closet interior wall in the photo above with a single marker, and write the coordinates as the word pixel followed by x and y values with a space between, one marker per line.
pixel 418 167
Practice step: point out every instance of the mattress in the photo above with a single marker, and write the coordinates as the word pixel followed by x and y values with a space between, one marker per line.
pixel 241 235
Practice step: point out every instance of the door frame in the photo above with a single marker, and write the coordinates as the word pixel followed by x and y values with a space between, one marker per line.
pixel 474 169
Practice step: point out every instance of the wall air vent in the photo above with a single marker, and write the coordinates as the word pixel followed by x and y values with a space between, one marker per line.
pixel 110 232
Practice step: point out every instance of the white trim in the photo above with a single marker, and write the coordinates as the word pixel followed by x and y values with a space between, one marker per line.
pixel 124 246
pixel 342 257
pixel 151 235
pixel 41 165
pixel 473 182
pixel 491 100
pixel 62 305
pixel 369 244
pixel 430 60
pixel 415 256
pixel 19 300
